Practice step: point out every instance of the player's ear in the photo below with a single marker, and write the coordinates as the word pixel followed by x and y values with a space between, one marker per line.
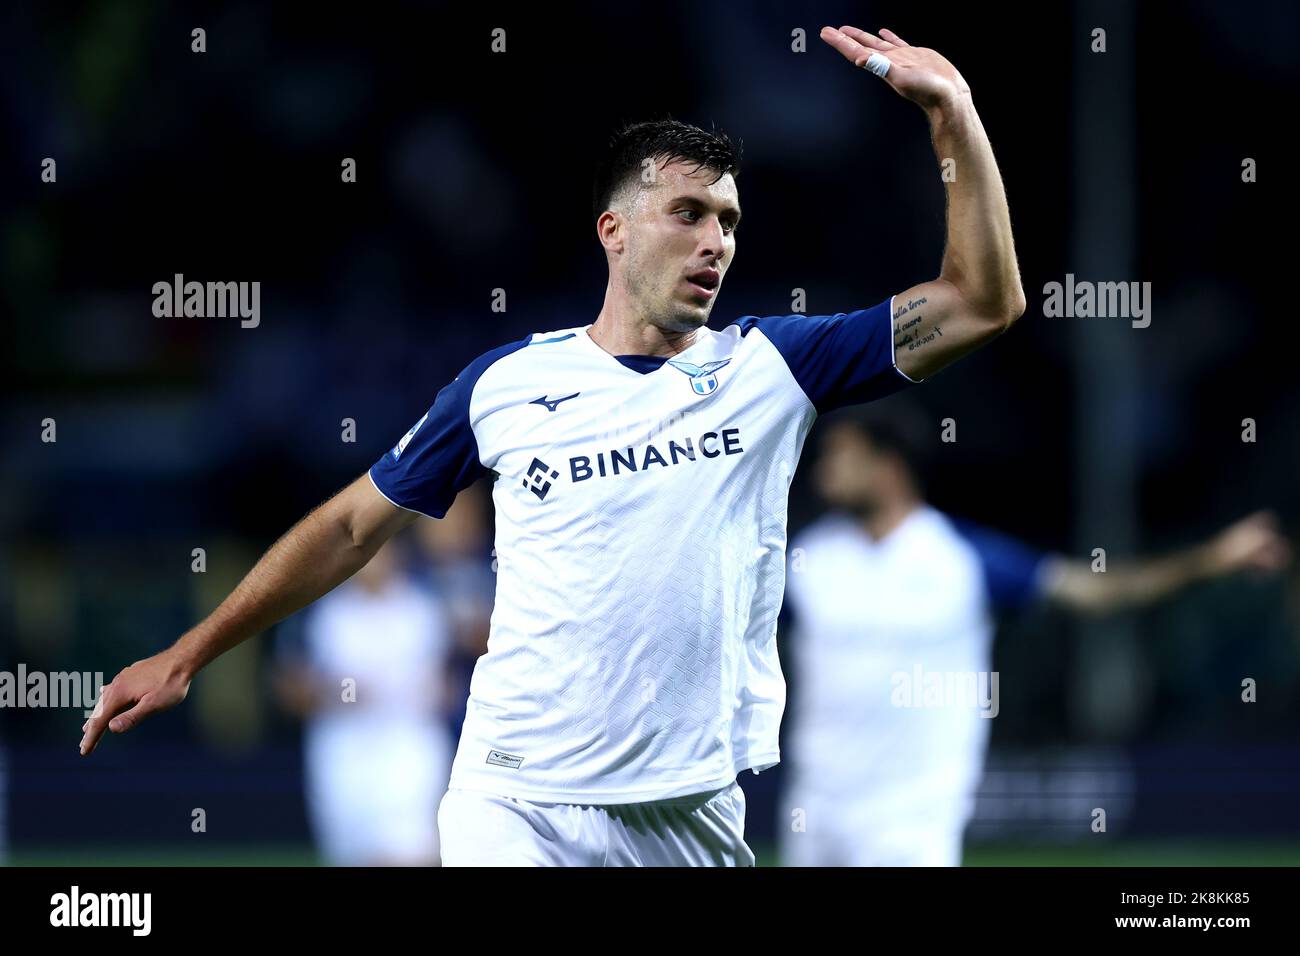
pixel 612 229
pixel 609 230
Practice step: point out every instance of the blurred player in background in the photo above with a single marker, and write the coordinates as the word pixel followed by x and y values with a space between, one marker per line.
pixel 885 588
pixel 641 465
pixel 368 677
pixel 458 563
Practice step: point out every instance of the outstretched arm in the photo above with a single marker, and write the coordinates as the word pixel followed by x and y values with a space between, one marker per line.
pixel 321 551
pixel 977 294
pixel 1253 543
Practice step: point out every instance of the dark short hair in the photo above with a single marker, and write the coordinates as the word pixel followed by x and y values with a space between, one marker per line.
pixel 897 427
pixel 664 139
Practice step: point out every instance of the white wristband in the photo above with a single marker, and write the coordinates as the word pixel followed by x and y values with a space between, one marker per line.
pixel 877 64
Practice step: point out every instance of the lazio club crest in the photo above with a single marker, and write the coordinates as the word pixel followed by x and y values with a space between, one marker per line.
pixel 703 381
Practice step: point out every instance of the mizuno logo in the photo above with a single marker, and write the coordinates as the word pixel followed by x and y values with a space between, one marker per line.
pixel 498 759
pixel 553 403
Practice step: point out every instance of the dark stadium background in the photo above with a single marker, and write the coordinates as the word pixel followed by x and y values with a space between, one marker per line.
pixel 474 174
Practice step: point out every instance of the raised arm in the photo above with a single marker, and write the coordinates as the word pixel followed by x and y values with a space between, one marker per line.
pixel 317 554
pixel 1253 543
pixel 977 294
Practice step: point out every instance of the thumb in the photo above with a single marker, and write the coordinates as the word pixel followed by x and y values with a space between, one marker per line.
pixel 124 722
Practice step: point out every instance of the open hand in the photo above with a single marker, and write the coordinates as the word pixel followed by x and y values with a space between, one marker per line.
pixel 146 687
pixel 916 73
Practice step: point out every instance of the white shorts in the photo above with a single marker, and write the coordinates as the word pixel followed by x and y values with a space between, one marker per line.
pixel 487 829
pixel 817 829
pixel 373 792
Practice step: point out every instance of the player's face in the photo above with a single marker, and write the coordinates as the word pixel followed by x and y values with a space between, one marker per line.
pixel 681 241
pixel 848 470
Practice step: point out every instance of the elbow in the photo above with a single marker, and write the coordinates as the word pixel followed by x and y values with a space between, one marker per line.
pixel 997 306
pixel 1017 305
pixel 344 520
pixel 1006 309
pixel 354 537
pixel 1011 306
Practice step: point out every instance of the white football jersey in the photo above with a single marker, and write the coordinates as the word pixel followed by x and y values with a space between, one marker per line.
pixel 640 544
pixel 376 767
pixel 892 649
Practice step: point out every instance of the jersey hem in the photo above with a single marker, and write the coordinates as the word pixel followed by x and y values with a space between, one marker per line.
pixel 893 353
pixel 502 788
pixel 390 500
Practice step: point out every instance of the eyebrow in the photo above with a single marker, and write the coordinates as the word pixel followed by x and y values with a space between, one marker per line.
pixel 695 201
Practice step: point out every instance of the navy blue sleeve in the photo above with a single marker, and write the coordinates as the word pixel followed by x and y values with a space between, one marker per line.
pixel 439 456
pixel 1012 568
pixel 841 359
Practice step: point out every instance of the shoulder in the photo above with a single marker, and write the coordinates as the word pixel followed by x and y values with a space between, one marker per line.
pixel 989 542
pixel 1013 569
pixel 935 535
pixel 935 524
pixel 840 359
pixel 831 528
pixel 520 349
pixel 784 331
pixel 506 361
pixel 800 328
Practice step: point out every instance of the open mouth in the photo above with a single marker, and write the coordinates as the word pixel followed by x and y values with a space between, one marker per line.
pixel 704 283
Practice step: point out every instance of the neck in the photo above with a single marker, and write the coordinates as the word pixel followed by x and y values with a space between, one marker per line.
pixel 882 521
pixel 622 329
